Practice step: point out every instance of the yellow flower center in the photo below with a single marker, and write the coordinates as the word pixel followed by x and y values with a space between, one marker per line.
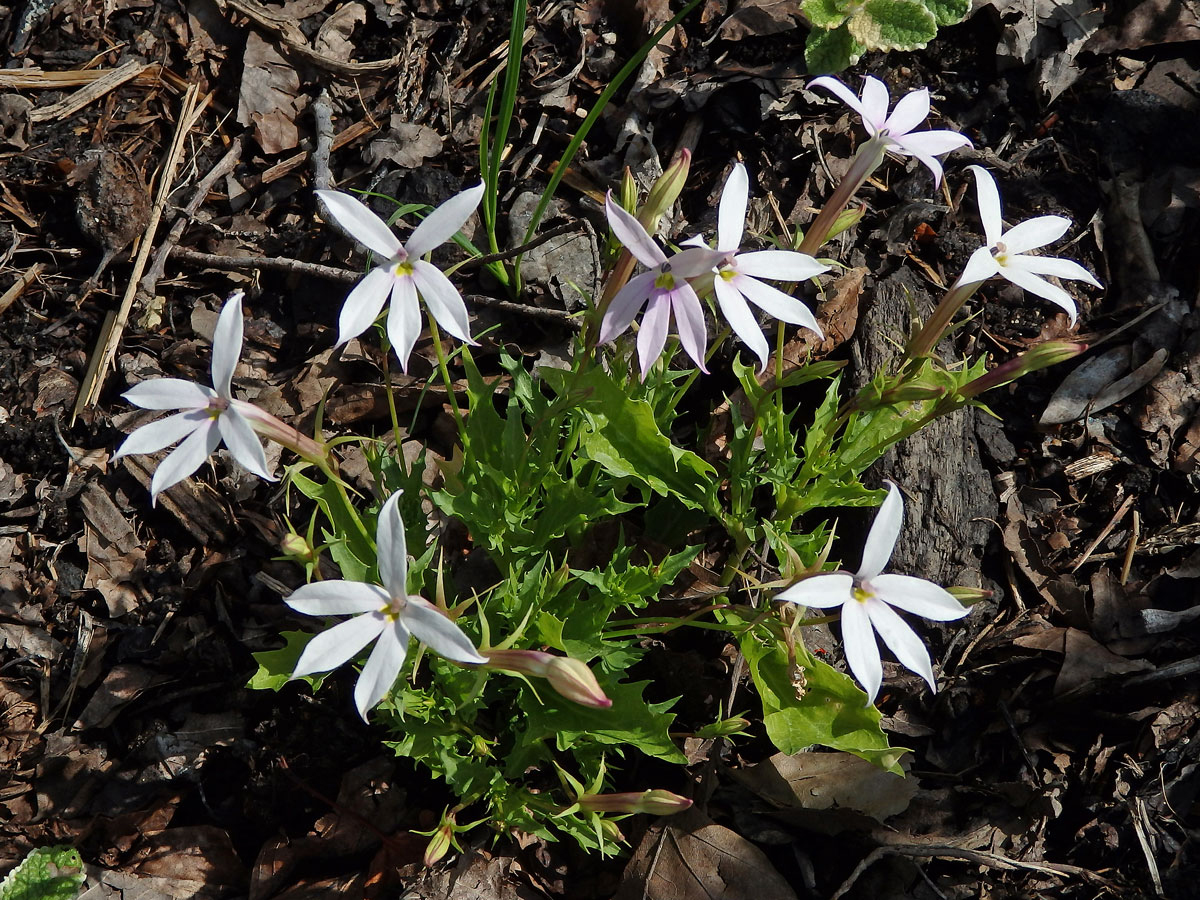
pixel 402 268
pixel 665 281
pixel 862 595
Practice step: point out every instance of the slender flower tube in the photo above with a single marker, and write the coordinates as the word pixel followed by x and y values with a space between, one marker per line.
pixel 209 416
pixel 388 615
pixel 663 290
pixel 867 598
pixel 403 275
pixel 568 676
pixel 655 802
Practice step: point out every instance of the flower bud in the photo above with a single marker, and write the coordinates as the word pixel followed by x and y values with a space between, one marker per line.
pixel 1040 357
pixel 724 728
pixel 297 547
pixel 439 843
pixel 570 677
pixel 969 596
pixel 666 190
pixel 575 681
pixel 655 802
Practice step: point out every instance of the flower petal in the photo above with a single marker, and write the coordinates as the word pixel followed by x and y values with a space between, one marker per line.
pixel 930 143
pixel 988 197
pixel 901 640
pixel 364 303
pixel 840 91
pixel 382 667
pixel 337 598
pixel 652 336
pixel 391 549
pixel 243 443
pixel 1034 233
pixel 689 322
pixel 1053 265
pixel 919 597
pixel 1026 280
pixel 731 213
pixel 227 345
pixel 875 102
pixel 169 393
pixel 911 110
pixel 741 320
pixel 980 267
pixel 443 299
pixel 862 653
pixel 881 539
pixel 444 222
pixel 776 303
pixel 366 227
pixel 693 261
pixel 624 307
pixel 820 591
pixel 779 265
pixel 632 235
pixel 152 437
pixel 435 630
pixel 404 319
pixel 185 459
pixel 339 644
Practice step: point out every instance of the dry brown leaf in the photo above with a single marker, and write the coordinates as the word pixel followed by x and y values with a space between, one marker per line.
pixel 121 686
pixel 333 40
pixel 1149 24
pixel 757 18
pixel 269 99
pixel 690 858
pixel 406 144
pixel 827 781
pixel 1087 660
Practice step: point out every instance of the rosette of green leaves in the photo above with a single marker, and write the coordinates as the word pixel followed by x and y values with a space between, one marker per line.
pixel 843 30
pixel 47 873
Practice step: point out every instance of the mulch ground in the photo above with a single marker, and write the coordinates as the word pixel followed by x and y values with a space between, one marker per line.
pixel 176 146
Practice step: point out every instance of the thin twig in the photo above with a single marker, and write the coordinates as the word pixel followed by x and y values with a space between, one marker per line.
pixel 350 276
pixel 224 166
pixel 554 232
pixel 979 857
pixel 106 348
pixel 323 120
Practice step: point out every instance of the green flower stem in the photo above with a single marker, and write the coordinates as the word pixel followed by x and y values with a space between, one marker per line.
pixel 397 435
pixel 868 158
pixel 932 331
pixel 444 370
pixel 662 626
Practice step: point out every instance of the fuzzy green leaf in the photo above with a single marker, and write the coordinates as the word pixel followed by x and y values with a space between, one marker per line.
pixel 47 873
pixel 893 25
pixel 828 52
pixel 948 12
pixel 825 13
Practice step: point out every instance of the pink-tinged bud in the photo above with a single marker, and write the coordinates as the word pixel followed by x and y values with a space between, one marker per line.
pixel 281 433
pixel 575 681
pixel 1042 356
pixel 570 677
pixel 656 802
pixel 439 843
pixel 612 831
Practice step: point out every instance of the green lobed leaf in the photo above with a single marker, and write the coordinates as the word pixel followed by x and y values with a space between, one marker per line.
pixel 948 12
pixel 275 667
pixel 630 720
pixel 820 706
pixel 624 438
pixel 827 52
pixel 893 25
pixel 47 873
pixel 347 545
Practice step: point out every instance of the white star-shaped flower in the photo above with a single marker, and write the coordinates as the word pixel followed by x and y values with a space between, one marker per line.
pixel 388 615
pixel 209 415
pixel 403 274
pixel 867 598
pixel 1005 253
pixel 663 290
pixel 736 279
pixel 897 131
